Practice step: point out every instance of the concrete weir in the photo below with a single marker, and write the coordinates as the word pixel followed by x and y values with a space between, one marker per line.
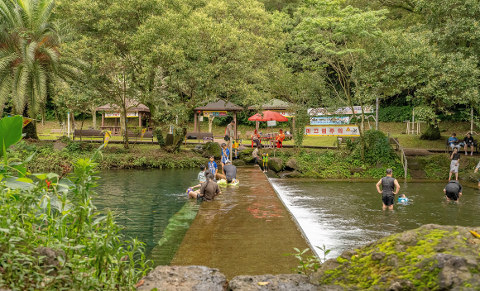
pixel 245 231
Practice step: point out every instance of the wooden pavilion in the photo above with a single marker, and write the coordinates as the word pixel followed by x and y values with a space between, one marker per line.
pixel 139 111
pixel 216 109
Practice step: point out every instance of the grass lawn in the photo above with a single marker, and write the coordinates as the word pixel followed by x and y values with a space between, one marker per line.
pixel 395 129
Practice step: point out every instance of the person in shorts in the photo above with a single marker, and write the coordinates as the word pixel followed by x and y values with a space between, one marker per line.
pixel 453 141
pixel 455 157
pixel 228 130
pixel 453 191
pixel 468 142
pixel 388 192
pixel 476 170
pixel 225 154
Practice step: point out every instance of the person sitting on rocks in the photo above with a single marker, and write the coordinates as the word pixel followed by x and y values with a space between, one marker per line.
pixel 453 190
pixel 256 158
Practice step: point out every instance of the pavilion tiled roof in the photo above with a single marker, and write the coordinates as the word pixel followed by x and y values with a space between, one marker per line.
pixel 219 105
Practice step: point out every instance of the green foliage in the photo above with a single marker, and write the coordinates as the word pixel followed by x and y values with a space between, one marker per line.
pixel 378 149
pixel 395 113
pixel 159 137
pixel 85 248
pixel 31 62
pixel 10 132
pixel 308 263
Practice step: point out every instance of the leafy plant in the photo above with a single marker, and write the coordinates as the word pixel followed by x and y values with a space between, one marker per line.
pixel 308 263
pixel 53 237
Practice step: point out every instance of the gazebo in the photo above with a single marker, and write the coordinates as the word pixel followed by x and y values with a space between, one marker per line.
pixel 217 109
pixel 113 111
pixel 276 105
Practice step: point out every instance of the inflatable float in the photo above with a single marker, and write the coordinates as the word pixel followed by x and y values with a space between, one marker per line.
pixel 224 182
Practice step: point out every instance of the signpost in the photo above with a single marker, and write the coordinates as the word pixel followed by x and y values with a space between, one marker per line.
pixel 323 120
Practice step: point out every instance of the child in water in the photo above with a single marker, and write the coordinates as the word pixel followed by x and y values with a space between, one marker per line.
pixel 403 198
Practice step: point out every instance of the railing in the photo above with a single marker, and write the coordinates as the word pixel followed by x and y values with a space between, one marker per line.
pixel 403 157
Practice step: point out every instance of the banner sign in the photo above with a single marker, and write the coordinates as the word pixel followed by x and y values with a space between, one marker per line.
pixel 329 120
pixel 333 130
pixel 271 123
pixel 214 113
pixel 26 121
pixel 345 110
pixel 117 114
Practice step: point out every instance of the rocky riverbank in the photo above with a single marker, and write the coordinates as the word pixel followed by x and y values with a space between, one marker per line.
pixel 432 257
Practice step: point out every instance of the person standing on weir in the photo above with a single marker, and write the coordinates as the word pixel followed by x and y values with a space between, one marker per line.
pixel 388 186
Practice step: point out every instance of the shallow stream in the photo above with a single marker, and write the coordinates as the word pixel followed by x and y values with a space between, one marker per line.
pixel 343 215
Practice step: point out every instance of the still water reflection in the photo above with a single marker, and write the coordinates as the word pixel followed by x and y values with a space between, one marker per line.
pixel 344 215
pixel 145 201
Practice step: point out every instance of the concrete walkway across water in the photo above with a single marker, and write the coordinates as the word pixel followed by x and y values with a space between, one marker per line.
pixel 245 231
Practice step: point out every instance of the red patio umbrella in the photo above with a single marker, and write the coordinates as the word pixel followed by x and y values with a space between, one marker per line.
pixel 268 116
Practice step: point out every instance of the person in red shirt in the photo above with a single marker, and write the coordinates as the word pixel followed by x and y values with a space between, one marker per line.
pixel 280 138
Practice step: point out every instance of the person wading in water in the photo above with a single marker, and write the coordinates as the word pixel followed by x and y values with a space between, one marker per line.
pixel 388 186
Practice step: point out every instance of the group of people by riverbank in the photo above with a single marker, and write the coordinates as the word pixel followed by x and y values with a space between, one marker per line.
pixel 209 177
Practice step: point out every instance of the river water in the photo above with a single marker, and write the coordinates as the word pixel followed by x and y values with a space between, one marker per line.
pixel 150 205
pixel 343 215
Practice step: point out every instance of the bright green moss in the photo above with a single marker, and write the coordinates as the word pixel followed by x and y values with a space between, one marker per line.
pixel 364 272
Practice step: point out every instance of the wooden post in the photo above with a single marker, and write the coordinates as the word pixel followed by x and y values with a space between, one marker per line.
pixel 235 119
pixel 103 119
pixel 199 125
pixel 195 121
pixel 256 125
pixel 140 119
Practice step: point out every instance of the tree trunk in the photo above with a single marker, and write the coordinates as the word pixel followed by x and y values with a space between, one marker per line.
pixel 30 130
pixel 123 125
pixel 432 133
pixel 94 118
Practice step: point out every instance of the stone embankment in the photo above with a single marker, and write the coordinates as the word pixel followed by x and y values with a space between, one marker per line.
pixel 432 257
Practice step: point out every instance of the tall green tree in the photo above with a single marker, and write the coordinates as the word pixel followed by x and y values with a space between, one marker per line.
pixel 30 56
pixel 333 39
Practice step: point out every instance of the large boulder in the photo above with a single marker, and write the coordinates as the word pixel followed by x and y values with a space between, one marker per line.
pixel 294 174
pixel 196 278
pixel 292 164
pixel 284 282
pixel 212 149
pixel 432 257
pixel 50 261
pixel 275 164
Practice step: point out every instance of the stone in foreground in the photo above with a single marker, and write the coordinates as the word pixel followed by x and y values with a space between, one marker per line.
pixel 179 278
pixel 432 257
pixel 284 282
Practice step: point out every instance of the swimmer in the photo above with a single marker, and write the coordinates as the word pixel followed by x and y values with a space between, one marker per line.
pixel 403 198
pixel 388 186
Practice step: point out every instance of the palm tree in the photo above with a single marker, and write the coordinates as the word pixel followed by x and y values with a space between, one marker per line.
pixel 30 59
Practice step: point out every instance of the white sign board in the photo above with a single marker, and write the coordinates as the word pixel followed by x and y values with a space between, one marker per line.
pixel 332 130
pixel 271 123
pixel 324 120
pixel 117 114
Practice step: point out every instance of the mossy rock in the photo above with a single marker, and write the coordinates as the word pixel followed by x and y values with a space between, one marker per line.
pixel 275 164
pixel 292 164
pixel 294 174
pixel 312 174
pixel 469 176
pixel 212 149
pixel 249 160
pixel 432 257
pixel 245 153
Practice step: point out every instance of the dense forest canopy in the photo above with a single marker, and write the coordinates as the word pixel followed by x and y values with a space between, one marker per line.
pixel 174 55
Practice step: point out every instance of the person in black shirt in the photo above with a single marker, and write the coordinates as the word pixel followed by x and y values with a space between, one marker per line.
pixel 453 191
pixel 388 184
pixel 468 142
pixel 455 157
